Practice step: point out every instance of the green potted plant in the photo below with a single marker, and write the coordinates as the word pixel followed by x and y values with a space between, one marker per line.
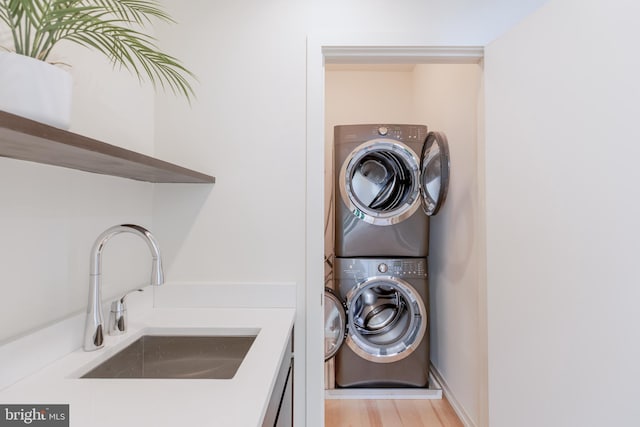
pixel 112 27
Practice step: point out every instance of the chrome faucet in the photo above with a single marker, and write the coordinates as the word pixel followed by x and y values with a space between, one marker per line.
pixel 94 326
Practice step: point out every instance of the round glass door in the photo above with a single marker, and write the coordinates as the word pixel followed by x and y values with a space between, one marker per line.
pixel 386 319
pixel 335 323
pixel 379 182
pixel 434 168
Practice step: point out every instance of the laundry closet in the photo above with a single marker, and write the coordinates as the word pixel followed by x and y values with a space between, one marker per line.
pixel 446 98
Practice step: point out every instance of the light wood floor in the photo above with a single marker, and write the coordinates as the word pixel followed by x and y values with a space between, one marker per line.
pixel 389 413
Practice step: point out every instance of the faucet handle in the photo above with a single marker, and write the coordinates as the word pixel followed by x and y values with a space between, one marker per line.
pixel 118 315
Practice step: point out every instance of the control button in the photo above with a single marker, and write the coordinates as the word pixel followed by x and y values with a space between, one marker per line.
pixel 383 268
pixel 382 130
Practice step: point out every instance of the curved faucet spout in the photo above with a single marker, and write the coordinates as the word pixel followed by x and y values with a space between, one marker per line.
pixel 94 327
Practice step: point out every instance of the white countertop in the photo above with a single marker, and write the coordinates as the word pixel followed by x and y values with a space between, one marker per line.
pixel 240 401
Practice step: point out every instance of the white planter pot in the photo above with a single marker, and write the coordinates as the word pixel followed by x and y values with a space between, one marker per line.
pixel 35 90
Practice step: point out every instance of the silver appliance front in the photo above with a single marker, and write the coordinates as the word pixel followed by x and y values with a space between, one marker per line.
pixel 385 173
pixel 380 306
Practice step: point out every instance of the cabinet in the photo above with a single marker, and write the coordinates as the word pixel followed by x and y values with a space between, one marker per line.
pixel 25 139
pixel 280 410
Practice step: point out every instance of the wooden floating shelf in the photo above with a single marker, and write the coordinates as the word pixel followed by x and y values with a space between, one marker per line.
pixel 25 139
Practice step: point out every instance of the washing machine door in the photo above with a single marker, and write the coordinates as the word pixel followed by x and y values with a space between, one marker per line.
pixel 434 172
pixel 335 323
pixel 380 181
pixel 386 319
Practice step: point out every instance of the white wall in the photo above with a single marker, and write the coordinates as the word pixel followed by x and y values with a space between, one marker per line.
pixel 455 22
pixel 108 104
pixel 247 129
pixel 446 99
pixel 49 219
pixel 562 153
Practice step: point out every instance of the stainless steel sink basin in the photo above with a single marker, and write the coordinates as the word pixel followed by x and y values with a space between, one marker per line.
pixel 178 356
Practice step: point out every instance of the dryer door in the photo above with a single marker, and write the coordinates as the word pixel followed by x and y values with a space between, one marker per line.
pixel 379 181
pixel 335 323
pixel 434 172
pixel 386 319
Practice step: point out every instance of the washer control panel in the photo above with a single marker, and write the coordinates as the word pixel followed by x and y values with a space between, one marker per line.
pixel 407 268
pixel 362 268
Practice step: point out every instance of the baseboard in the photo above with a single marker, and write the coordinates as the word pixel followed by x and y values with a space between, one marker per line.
pixel 433 392
pixel 448 394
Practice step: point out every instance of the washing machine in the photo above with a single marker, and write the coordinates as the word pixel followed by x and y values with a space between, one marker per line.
pixel 384 174
pixel 377 323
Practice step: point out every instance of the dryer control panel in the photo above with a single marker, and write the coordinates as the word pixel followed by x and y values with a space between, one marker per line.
pixel 403 133
pixel 362 133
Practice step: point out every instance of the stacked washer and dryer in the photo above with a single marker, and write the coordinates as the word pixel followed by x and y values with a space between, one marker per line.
pixel 389 180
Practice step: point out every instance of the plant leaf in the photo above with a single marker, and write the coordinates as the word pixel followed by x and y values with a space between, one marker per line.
pixel 107 26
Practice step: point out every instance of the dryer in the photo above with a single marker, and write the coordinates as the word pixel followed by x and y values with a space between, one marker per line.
pixel 376 322
pixel 384 174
